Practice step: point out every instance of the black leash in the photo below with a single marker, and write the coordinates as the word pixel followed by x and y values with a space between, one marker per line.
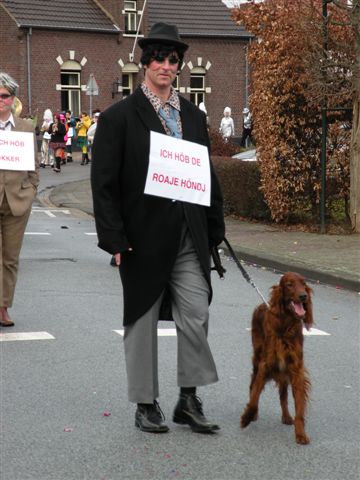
pixel 242 270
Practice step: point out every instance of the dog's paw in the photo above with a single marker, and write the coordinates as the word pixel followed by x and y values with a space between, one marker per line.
pixel 302 439
pixel 287 420
pixel 244 422
pixel 250 415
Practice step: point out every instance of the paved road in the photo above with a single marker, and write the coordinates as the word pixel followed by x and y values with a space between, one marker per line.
pixel 57 392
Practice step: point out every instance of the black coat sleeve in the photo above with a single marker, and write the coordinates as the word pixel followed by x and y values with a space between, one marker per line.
pixel 214 213
pixel 105 182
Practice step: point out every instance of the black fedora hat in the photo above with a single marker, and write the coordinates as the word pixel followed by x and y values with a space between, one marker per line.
pixel 163 33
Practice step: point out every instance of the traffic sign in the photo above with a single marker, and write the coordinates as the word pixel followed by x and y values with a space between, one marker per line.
pixel 92 88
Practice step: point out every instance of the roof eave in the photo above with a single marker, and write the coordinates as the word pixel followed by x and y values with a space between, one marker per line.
pixel 115 30
pixel 214 35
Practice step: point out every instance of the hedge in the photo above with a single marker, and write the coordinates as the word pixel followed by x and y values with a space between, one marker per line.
pixel 240 182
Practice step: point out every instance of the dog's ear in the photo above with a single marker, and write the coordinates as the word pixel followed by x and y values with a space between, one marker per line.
pixel 308 320
pixel 276 300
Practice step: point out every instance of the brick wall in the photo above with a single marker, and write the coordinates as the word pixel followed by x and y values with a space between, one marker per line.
pixel 102 52
pixel 226 76
pixel 13 53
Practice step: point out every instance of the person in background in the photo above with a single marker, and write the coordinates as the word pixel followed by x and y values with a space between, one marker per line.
pixel 57 142
pixel 44 129
pixel 203 109
pixel 82 127
pixel 63 152
pixel 162 246
pixel 33 119
pixel 92 130
pixel 247 127
pixel 17 192
pixel 70 124
pixel 227 128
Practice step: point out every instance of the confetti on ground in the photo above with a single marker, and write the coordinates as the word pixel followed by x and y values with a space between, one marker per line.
pixel 68 429
pixel 106 414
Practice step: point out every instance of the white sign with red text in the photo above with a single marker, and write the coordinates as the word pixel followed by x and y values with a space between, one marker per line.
pixel 16 150
pixel 178 169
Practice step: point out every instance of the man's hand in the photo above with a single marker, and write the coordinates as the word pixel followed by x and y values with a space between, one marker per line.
pixel 117 257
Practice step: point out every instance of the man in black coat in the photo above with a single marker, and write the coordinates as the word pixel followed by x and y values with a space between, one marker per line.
pixel 161 244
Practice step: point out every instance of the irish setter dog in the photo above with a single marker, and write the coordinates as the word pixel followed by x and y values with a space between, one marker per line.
pixel 277 340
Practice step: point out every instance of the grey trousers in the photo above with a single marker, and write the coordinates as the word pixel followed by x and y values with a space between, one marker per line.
pixel 190 308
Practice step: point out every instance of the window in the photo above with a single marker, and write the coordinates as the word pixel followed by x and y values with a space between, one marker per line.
pixel 176 83
pixel 197 88
pixel 70 91
pixel 127 84
pixel 130 13
pixel 128 79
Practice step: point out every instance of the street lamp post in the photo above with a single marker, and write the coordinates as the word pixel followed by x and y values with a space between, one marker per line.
pixel 324 120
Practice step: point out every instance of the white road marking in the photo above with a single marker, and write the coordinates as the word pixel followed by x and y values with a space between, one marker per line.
pixel 314 331
pixel 49 211
pixel 49 214
pixel 162 332
pixel 47 233
pixel 311 332
pixel 12 337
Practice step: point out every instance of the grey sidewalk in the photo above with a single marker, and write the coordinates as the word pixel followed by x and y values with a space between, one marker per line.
pixel 333 259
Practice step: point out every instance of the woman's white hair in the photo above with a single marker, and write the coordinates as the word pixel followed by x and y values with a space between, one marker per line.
pixel 9 83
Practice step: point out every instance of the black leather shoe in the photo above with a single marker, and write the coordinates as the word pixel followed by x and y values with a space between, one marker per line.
pixel 149 418
pixel 188 411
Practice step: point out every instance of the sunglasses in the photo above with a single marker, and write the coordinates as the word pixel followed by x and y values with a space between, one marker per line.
pixel 161 57
pixel 5 96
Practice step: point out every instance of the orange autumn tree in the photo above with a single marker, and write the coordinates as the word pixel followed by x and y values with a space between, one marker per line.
pixel 286 107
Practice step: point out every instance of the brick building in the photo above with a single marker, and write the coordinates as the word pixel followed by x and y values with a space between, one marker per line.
pixel 53 49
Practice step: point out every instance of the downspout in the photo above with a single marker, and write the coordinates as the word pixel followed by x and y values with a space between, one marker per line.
pixel 246 77
pixel 247 73
pixel 28 55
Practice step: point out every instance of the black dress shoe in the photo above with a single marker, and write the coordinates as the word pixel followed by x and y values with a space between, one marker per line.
pixel 149 418
pixel 188 411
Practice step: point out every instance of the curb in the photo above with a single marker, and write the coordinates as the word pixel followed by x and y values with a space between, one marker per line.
pixel 314 275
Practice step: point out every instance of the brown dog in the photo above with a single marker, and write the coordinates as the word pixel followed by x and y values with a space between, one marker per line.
pixel 278 350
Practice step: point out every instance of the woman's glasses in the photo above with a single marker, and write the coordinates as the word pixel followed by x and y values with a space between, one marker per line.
pixel 5 96
pixel 161 57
